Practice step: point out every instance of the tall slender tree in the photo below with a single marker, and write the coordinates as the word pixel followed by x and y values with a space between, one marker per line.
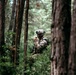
pixel 12 16
pixel 60 36
pixel 26 31
pixel 12 21
pixel 18 26
pixel 2 25
pixel 6 2
pixel 72 49
pixel 12 28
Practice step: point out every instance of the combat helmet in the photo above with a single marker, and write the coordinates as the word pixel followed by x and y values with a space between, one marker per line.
pixel 40 32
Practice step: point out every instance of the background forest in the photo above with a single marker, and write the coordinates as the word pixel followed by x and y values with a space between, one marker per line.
pixel 19 20
pixel 39 17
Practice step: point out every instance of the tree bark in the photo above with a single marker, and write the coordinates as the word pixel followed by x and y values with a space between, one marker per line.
pixel 2 25
pixel 18 26
pixel 72 52
pixel 54 6
pixel 60 36
pixel 26 31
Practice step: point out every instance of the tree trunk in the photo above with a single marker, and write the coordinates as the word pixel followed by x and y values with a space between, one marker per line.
pixel 54 6
pixel 19 19
pixel 26 31
pixel 2 25
pixel 60 36
pixel 12 16
pixel 12 22
pixel 6 2
pixel 13 29
pixel 72 52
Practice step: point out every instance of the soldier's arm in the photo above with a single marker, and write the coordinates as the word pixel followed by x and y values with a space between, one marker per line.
pixel 41 44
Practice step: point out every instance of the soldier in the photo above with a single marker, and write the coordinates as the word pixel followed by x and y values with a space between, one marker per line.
pixel 40 43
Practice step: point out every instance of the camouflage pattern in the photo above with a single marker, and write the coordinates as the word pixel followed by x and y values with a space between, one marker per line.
pixel 39 42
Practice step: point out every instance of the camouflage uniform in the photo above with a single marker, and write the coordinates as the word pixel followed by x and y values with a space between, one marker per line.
pixel 40 43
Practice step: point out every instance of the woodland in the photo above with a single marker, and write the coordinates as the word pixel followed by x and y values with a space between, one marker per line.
pixel 19 20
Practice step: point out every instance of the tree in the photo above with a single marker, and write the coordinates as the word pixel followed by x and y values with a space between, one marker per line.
pixel 12 16
pixel 2 25
pixel 26 31
pixel 72 49
pixel 18 27
pixel 12 29
pixel 54 3
pixel 6 2
pixel 60 36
